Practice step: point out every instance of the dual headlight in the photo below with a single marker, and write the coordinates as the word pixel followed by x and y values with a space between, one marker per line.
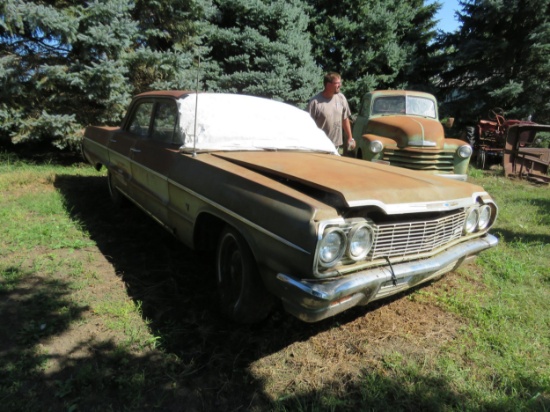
pixel 477 218
pixel 355 242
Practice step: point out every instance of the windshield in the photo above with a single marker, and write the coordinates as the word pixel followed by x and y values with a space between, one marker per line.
pixel 232 122
pixel 412 105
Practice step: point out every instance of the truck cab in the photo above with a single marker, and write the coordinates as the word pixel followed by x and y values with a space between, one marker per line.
pixel 402 128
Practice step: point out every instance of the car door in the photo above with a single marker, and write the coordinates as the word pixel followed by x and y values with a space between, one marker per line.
pixel 152 155
pixel 122 143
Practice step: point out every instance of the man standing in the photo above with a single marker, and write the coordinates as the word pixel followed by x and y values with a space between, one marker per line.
pixel 331 112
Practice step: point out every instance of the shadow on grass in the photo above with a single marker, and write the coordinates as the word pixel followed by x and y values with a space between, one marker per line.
pixel 204 364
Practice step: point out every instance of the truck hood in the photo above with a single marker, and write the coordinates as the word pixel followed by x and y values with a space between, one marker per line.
pixel 353 183
pixel 412 131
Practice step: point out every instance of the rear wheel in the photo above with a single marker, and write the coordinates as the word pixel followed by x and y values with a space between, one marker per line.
pixel 242 294
pixel 115 195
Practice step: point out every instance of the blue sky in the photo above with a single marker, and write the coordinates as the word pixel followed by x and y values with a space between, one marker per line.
pixel 446 15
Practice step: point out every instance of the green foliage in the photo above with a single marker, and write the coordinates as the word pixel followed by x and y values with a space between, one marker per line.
pixel 66 64
pixel 261 48
pixel 374 44
pixel 499 58
pixel 58 59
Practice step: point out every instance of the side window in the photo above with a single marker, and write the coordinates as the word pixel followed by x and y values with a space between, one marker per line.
pixel 141 119
pixel 164 124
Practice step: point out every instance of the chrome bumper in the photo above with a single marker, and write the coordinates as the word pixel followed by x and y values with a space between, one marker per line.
pixel 312 301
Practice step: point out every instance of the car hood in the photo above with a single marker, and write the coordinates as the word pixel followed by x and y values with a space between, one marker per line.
pixel 353 182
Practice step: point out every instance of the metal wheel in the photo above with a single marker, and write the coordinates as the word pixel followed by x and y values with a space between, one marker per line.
pixel 243 297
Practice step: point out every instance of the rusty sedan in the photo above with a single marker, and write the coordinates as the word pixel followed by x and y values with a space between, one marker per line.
pixel 286 217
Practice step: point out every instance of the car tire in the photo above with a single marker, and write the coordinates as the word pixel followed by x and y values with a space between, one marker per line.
pixel 242 295
pixel 116 196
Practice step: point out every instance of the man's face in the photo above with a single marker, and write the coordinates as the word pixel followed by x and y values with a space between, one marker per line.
pixel 334 86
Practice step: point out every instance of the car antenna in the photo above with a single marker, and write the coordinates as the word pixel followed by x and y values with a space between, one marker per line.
pixel 196 108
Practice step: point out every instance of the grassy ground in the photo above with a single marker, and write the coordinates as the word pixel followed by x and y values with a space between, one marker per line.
pixel 102 310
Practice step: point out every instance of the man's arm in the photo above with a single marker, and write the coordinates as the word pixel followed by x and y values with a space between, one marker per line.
pixel 347 130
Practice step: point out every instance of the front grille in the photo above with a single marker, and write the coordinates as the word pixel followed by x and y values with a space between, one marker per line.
pixel 426 160
pixel 414 238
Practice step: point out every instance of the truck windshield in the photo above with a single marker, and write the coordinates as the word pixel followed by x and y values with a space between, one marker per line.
pixel 404 105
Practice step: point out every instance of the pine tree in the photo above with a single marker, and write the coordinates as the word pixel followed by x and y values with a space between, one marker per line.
pixel 500 57
pixel 261 48
pixel 371 43
pixel 68 64
pixel 61 67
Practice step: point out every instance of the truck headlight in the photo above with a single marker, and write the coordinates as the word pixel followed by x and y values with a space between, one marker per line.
pixel 376 146
pixel 464 151
pixel 332 247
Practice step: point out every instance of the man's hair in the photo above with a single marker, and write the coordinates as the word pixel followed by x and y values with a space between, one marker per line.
pixel 330 77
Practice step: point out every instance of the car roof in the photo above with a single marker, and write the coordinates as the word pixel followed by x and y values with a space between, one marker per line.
pixel 166 93
pixel 401 93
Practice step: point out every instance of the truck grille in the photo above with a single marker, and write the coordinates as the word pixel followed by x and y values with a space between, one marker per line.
pixel 413 238
pixel 426 160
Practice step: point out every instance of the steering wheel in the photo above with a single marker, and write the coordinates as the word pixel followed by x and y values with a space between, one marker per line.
pixel 497 114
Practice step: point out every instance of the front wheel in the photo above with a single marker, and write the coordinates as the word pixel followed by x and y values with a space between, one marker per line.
pixel 242 294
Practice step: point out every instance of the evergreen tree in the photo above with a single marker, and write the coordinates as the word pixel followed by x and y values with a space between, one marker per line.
pixel 168 45
pixel 261 48
pixel 61 67
pixel 372 43
pixel 67 64
pixel 500 57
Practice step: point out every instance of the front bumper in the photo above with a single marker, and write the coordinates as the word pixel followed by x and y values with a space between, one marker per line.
pixel 311 300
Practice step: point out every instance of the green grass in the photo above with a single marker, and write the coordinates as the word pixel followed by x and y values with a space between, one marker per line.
pixel 103 310
pixel 507 342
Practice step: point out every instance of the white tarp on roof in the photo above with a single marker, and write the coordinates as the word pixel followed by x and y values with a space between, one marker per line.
pixel 239 122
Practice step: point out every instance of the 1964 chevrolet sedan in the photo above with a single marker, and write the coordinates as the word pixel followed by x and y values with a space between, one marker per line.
pixel 288 218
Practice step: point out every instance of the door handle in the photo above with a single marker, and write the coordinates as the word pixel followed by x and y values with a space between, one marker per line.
pixel 135 150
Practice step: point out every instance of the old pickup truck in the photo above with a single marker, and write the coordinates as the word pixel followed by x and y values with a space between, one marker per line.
pixel 402 128
pixel 287 219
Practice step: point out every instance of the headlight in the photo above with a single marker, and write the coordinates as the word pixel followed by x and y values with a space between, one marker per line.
pixel 376 146
pixel 484 217
pixel 360 241
pixel 332 247
pixel 472 219
pixel 464 151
